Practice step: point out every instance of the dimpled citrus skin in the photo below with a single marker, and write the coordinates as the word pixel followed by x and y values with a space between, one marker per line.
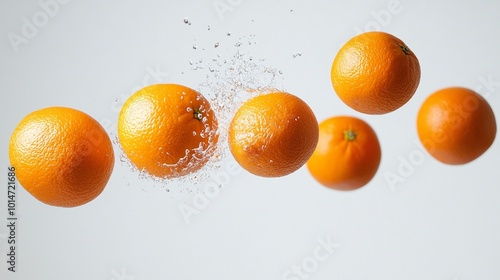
pixel 273 134
pixel 456 125
pixel 167 130
pixel 63 157
pixel 348 153
pixel 375 73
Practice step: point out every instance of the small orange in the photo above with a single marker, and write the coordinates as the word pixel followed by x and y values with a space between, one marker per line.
pixel 375 73
pixel 348 153
pixel 273 134
pixel 63 157
pixel 167 130
pixel 456 125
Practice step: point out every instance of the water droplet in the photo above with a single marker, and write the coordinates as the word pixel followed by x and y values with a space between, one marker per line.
pixel 280 72
pixel 116 99
pixel 297 54
pixel 209 27
pixel 238 44
pixel 216 45
pixel 194 133
pixel 186 21
pixel 189 109
pixel 228 34
pixel 195 47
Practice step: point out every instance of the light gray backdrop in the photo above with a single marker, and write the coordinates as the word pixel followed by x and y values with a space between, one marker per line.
pixel 433 222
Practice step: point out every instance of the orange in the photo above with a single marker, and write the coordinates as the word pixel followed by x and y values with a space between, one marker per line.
pixel 63 157
pixel 273 134
pixel 456 125
pixel 167 130
pixel 375 73
pixel 348 153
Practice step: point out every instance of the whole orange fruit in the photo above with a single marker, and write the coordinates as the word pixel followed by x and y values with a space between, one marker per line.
pixel 167 130
pixel 63 157
pixel 347 155
pixel 456 125
pixel 273 134
pixel 375 73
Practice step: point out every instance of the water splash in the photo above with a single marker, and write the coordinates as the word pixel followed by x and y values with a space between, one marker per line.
pixel 230 77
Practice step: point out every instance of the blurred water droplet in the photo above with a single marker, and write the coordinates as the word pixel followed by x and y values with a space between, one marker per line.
pixel 116 99
pixel 195 47
pixel 194 133
pixel 297 54
pixel 186 21
pixel 228 34
pixel 216 45
pixel 209 27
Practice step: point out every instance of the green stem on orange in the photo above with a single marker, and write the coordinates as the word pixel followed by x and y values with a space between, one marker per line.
pixel 197 114
pixel 405 49
pixel 349 135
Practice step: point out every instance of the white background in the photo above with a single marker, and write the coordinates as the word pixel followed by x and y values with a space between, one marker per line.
pixel 438 222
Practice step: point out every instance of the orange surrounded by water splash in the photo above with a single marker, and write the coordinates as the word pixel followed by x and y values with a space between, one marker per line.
pixel 168 130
